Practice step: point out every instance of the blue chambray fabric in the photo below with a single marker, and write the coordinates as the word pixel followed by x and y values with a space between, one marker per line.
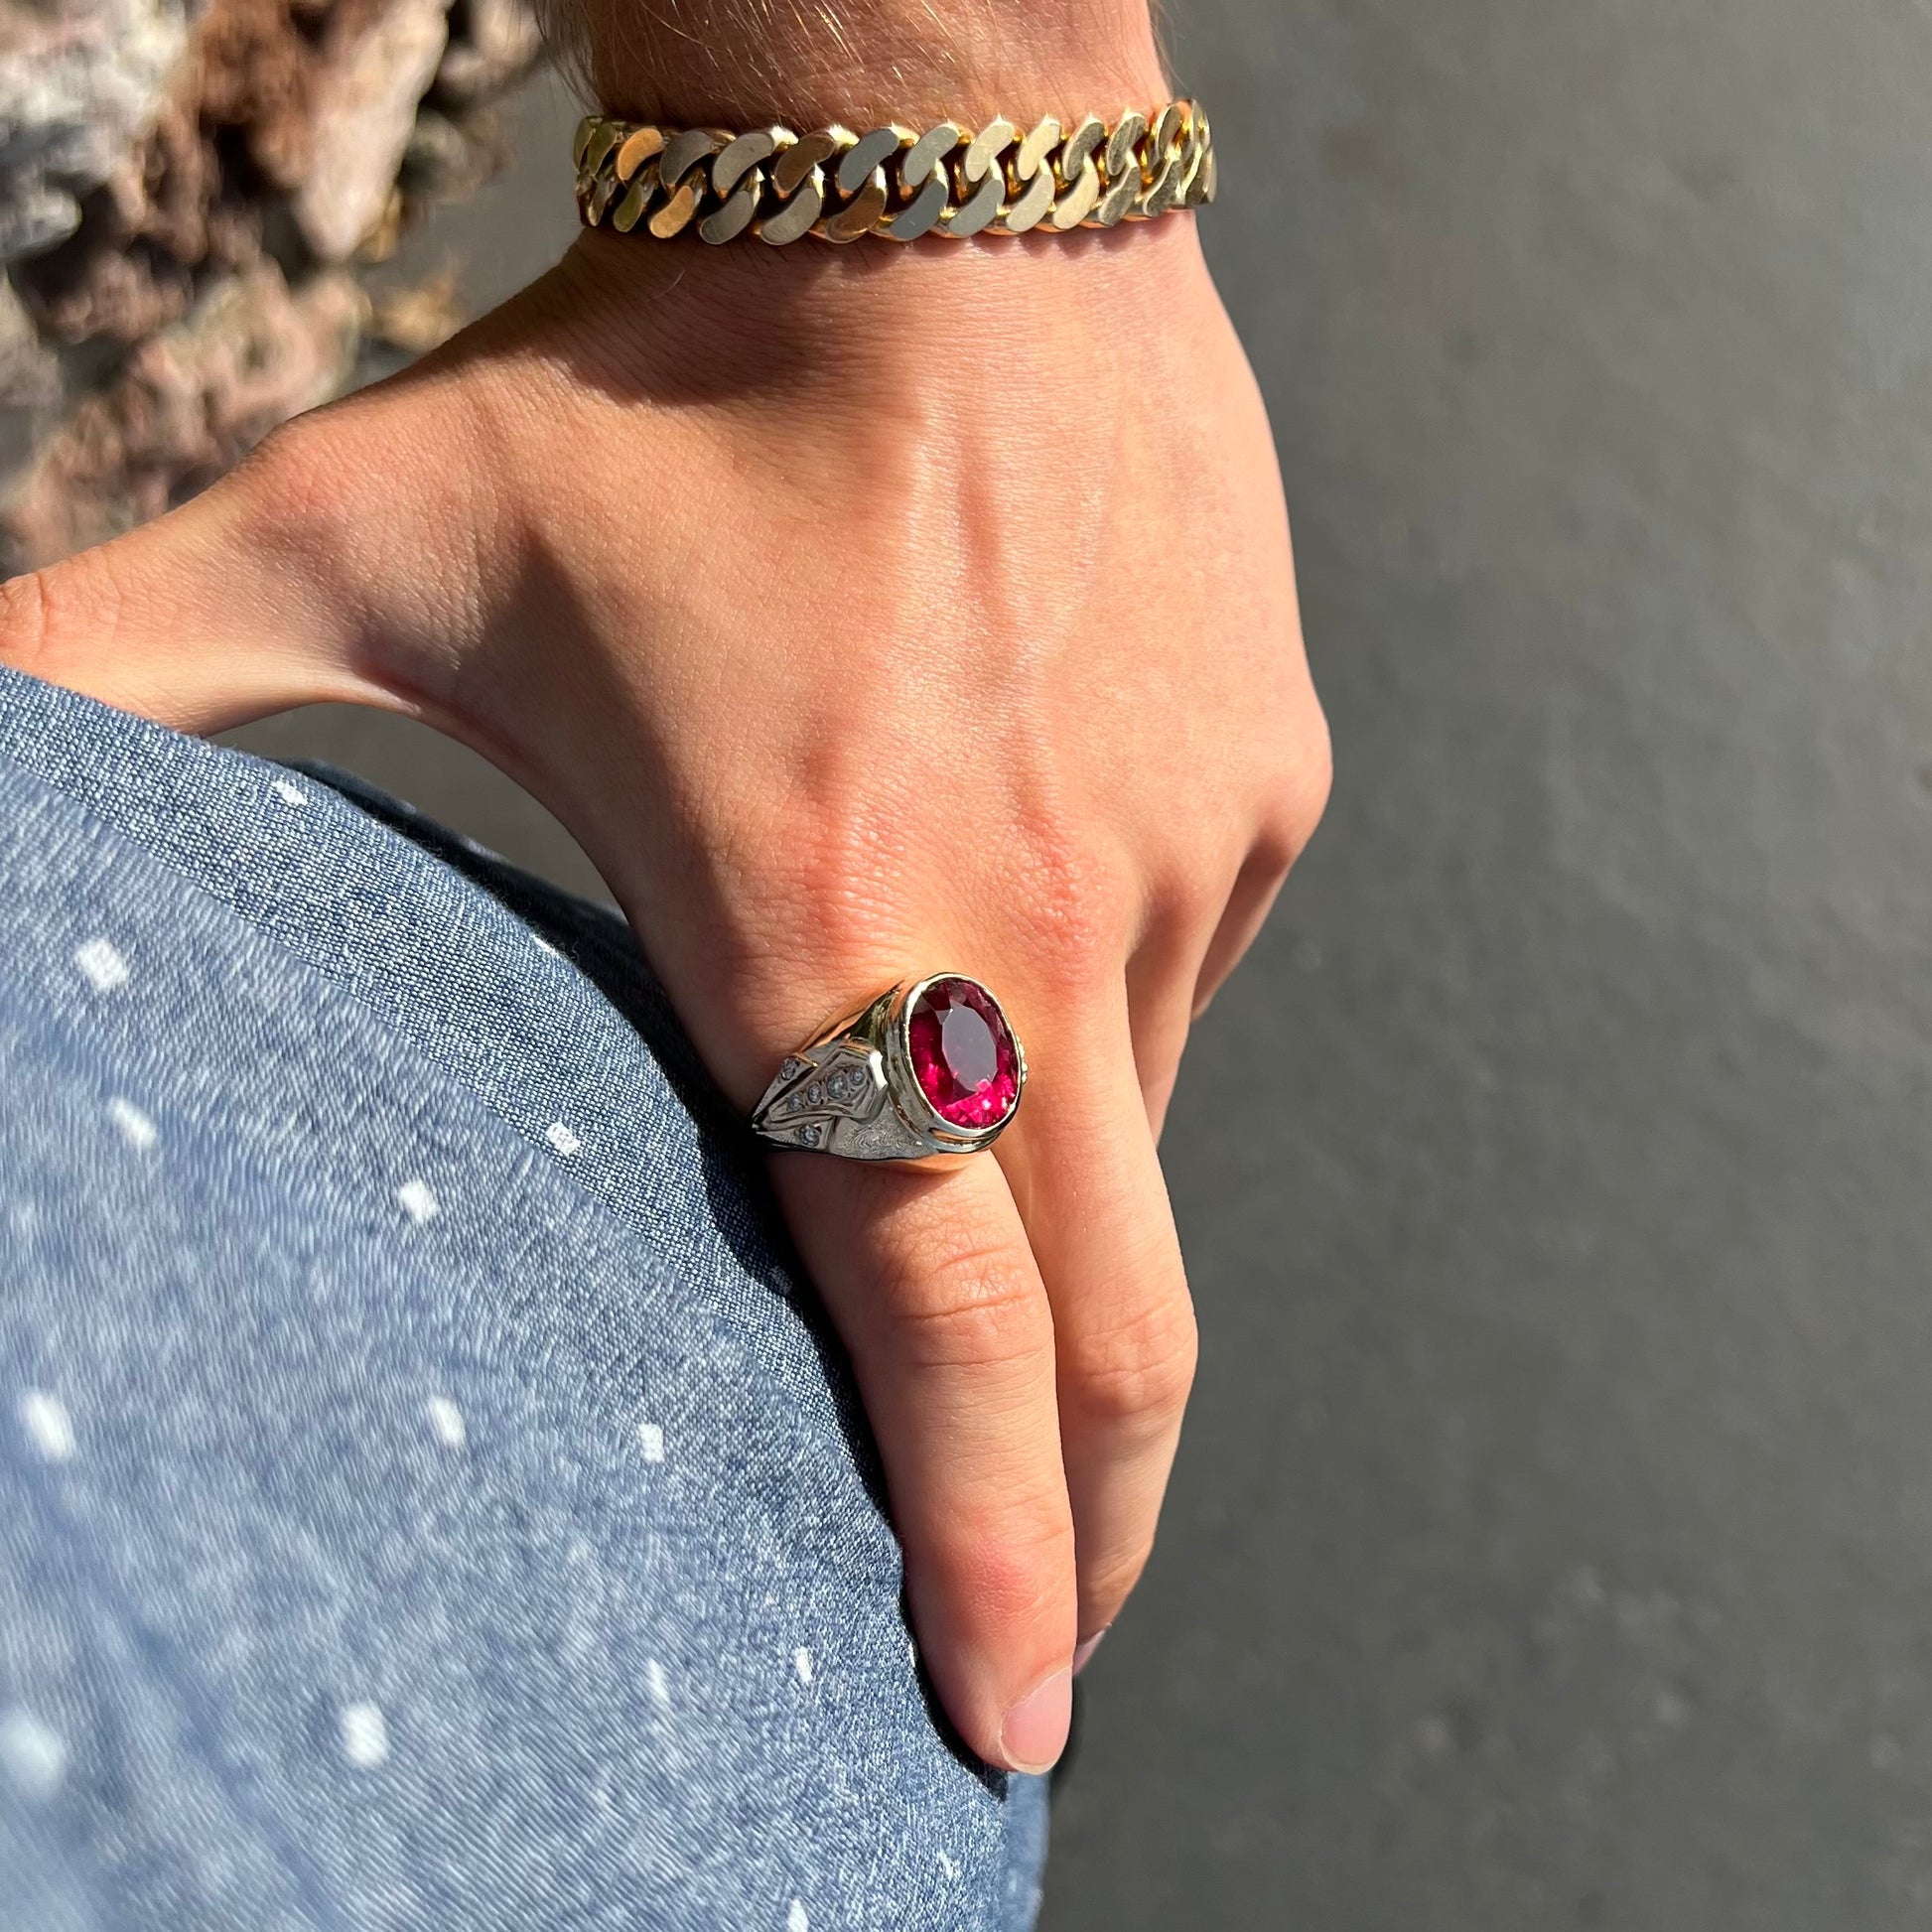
pixel 426 1498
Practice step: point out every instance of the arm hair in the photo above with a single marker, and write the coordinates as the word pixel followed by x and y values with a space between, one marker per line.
pixel 761 57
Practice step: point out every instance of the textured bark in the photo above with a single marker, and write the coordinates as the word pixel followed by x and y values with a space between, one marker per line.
pixel 185 190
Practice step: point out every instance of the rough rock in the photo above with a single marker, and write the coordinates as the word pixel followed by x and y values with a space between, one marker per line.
pixel 182 186
pixel 364 109
pixel 491 44
pixel 29 382
pixel 30 374
pixel 79 80
pixel 188 405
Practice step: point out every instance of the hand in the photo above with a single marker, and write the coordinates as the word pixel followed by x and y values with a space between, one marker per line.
pixel 861 611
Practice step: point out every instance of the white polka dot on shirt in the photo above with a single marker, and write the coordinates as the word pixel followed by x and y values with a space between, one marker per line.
pixel 103 966
pixel 795 1919
pixel 562 1138
pixel 660 1687
pixel 418 1201
pixel 289 794
pixel 446 1418
pixel 650 1442
pixel 801 1662
pixel 136 1128
pixel 47 1423
pixel 35 1755
pixel 365 1735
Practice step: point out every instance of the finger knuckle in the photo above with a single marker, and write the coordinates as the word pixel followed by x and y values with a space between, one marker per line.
pixel 966 1302
pixel 24 619
pixel 1306 782
pixel 838 869
pixel 1110 1578
pixel 1136 1377
pixel 1019 1571
pixel 1077 894
pixel 1078 940
pixel 1192 897
pixel 47 615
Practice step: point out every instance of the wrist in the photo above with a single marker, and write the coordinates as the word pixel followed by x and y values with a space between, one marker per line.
pixel 737 325
pixel 862 62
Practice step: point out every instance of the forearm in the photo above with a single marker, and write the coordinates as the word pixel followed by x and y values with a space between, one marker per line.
pixel 744 62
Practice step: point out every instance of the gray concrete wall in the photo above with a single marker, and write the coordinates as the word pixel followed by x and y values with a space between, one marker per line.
pixel 1552 1544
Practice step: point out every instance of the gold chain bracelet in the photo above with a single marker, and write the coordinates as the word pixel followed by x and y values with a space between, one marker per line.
pixel 892 182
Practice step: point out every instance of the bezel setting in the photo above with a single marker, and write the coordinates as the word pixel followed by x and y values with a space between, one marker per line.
pixel 854 1089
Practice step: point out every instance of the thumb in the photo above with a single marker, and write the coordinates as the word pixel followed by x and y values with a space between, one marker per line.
pixel 208 617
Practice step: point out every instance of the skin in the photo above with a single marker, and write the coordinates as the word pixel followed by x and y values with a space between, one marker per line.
pixel 861 611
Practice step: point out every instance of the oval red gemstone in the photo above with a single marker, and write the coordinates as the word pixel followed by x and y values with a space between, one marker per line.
pixel 963 1053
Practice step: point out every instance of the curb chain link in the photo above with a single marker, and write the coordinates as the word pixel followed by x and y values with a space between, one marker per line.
pixel 892 182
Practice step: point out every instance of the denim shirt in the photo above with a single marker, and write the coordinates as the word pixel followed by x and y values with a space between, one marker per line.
pixel 428 1495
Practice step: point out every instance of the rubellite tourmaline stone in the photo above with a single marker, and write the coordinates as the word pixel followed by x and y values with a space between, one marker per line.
pixel 963 1053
